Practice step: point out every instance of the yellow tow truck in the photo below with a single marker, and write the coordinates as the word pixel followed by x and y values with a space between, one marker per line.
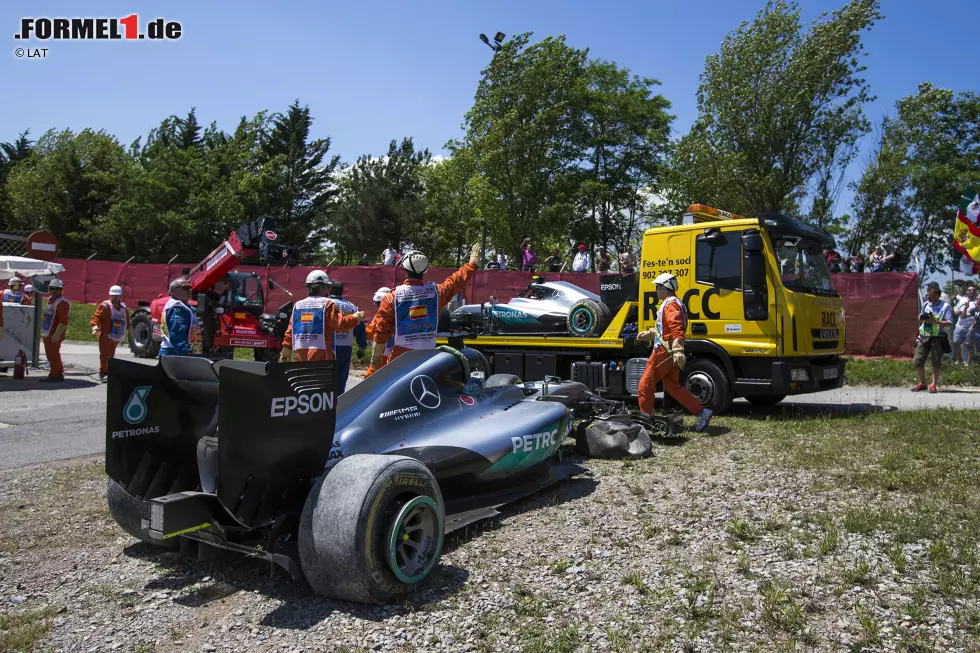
pixel 764 320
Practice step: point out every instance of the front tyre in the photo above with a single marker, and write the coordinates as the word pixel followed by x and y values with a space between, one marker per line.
pixel 372 529
pixel 706 380
pixel 587 318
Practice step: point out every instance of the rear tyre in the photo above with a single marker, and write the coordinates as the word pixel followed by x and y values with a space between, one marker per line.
pixel 705 379
pixel 372 529
pixel 141 341
pixel 587 318
pixel 502 380
pixel 127 510
pixel 769 400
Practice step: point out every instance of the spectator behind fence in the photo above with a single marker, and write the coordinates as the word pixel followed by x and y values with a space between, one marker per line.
pixel 602 261
pixel 857 263
pixel 390 255
pixel 626 263
pixel 554 261
pixel 833 260
pixel 934 320
pixel 528 257
pixel 877 262
pixel 582 261
pixel 892 258
pixel 966 319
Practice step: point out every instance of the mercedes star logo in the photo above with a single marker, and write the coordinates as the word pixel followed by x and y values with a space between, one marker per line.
pixel 425 392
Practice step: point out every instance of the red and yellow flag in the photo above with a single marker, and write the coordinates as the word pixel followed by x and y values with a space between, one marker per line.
pixel 966 233
pixel 418 312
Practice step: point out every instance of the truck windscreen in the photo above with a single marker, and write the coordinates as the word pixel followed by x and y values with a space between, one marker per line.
pixel 802 266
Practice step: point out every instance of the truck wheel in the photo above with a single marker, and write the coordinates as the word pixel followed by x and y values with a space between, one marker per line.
pixel 371 529
pixel 769 400
pixel 587 318
pixel 266 355
pixel 705 379
pixel 502 380
pixel 141 341
pixel 127 510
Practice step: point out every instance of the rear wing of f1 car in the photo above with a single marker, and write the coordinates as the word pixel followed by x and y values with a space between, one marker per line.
pixel 163 423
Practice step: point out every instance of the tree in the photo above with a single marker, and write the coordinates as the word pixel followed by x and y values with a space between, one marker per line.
pixel 10 154
pixel 67 183
pixel 452 218
pixel 380 202
pixel 524 132
pixel 925 156
pixel 626 139
pixel 780 112
pixel 304 186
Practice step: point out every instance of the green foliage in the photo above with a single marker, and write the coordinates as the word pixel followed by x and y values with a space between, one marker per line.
pixel 781 111
pixel 380 202
pixel 562 148
pixel 924 157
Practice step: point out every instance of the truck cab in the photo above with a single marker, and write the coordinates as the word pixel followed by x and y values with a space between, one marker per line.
pixel 764 319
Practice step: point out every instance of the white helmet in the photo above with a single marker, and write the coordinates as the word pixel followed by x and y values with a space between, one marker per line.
pixel 317 278
pixel 15 281
pixel 382 291
pixel 28 288
pixel 416 262
pixel 115 291
pixel 56 283
pixel 667 280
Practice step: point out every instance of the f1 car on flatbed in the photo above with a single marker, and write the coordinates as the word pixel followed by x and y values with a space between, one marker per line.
pixel 355 493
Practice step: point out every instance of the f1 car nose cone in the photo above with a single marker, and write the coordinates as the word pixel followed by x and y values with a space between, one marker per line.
pixel 425 392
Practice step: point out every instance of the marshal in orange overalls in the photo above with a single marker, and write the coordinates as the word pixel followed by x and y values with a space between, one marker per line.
pixel 660 366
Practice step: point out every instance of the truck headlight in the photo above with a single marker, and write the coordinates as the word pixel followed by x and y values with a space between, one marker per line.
pixel 799 374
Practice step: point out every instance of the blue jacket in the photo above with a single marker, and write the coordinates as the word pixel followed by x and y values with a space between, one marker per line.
pixel 179 322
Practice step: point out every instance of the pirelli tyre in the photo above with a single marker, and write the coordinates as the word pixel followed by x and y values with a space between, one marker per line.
pixel 502 380
pixel 127 510
pixel 141 341
pixel 587 318
pixel 372 529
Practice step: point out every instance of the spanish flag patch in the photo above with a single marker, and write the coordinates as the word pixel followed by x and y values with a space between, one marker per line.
pixel 306 317
pixel 418 312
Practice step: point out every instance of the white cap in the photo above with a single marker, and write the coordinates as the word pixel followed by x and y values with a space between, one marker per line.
pixel 28 288
pixel 56 283
pixel 317 277
pixel 382 291
pixel 667 280
pixel 14 280
pixel 115 291
pixel 415 261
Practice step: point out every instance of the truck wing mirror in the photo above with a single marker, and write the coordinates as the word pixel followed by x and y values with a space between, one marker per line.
pixel 714 237
pixel 752 241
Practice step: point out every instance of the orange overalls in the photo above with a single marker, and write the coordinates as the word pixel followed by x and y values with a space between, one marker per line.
pixel 55 315
pixel 319 318
pixel 660 366
pixel 112 324
pixel 383 323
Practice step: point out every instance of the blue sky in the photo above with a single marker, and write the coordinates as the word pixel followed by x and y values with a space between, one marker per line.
pixel 374 71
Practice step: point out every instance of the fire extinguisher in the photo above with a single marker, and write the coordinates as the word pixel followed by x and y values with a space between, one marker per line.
pixel 20 366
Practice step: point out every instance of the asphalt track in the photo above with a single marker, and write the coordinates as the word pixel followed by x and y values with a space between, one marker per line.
pixel 41 423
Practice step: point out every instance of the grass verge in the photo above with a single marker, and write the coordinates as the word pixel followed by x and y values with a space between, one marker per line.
pixel 887 372
pixel 20 631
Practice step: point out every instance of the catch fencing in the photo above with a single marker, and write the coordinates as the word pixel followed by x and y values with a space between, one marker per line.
pixel 881 309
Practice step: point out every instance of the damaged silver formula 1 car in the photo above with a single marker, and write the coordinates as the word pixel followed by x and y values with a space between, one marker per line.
pixel 353 493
